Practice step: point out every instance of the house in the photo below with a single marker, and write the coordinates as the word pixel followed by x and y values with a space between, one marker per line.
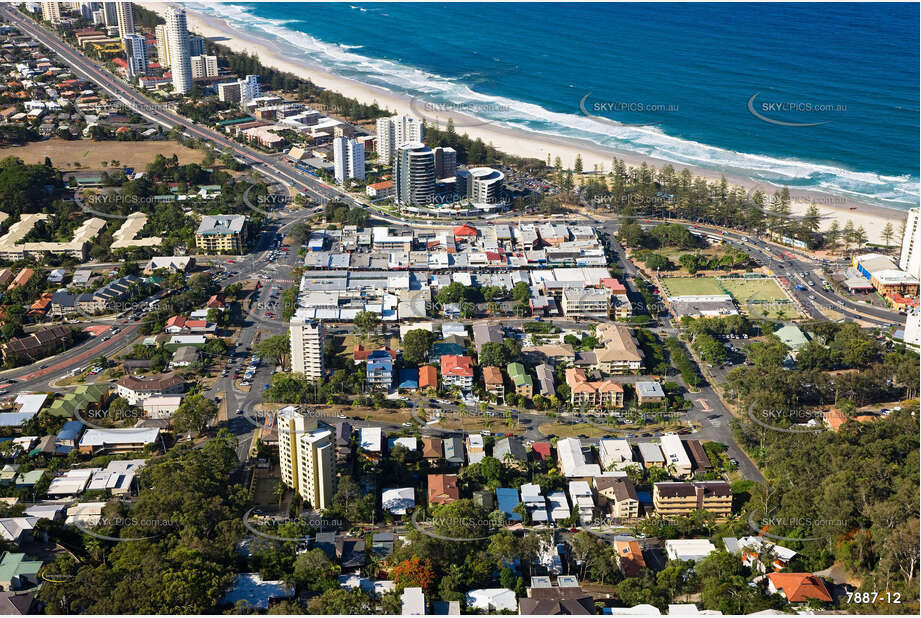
pixel 428 377
pixel 792 337
pixel 507 498
pixel 700 462
pixel 454 451
pixel 486 333
pixel 797 587
pixel 564 599
pixel 17 572
pixel 442 488
pixel 511 452
pixel 53 511
pixel 136 389
pixel 398 500
pixel 172 264
pixel 494 384
pixel 546 380
pixel 572 461
pixel 651 455
pixel 534 502
pixel 17 529
pixel 457 371
pixel 754 550
pixel 409 379
pixel 179 325
pixel 432 448
pixel 413 602
pixel 552 353
pixel 676 458
pixel 18 603
pixel 524 385
pixel 580 492
pixel 541 451
pixel 379 370
pixel 405 442
pixel 629 557
pixel 620 494
pixel 492 600
pixel 184 356
pixel 476 448
pixel 255 591
pixel 615 454
pixel 382 544
pixel 558 506
pixel 343 433
pixel 117 440
pixel 688 549
pixel 648 392
pixel 161 407
pixel 350 552
pixel 68 437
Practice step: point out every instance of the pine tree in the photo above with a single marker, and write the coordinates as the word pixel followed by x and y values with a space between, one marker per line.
pixel 577 167
pixel 888 233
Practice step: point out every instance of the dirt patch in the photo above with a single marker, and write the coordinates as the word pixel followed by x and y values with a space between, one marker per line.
pixel 89 155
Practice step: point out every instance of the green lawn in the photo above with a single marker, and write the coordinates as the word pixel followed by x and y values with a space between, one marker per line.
pixel 754 290
pixel 690 286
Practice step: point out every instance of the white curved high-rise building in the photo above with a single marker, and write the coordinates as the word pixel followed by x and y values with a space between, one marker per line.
pixel 414 174
pixel 481 185
pixel 178 40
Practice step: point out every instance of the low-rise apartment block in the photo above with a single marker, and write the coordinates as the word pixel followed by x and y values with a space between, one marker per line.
pixel 675 498
pixel 221 234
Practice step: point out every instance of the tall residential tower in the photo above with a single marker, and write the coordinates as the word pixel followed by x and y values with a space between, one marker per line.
pixel 178 42
pixel 307 457
pixel 414 174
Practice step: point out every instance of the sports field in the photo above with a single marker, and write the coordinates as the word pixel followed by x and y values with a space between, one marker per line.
pixel 754 290
pixel 690 286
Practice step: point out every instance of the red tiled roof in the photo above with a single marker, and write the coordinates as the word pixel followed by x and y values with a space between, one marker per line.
pixel 428 377
pixel 541 449
pixel 464 230
pixel 614 285
pixel 443 488
pixel 377 186
pixel 454 365
pixel 800 587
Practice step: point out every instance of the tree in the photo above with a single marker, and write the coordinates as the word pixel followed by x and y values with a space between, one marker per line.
pixel 416 346
pixel 341 602
pixel 413 573
pixel 577 166
pixel 887 233
pixel 274 348
pixel 493 354
pixel 521 292
pixel 314 570
pixel 366 322
pixel 194 414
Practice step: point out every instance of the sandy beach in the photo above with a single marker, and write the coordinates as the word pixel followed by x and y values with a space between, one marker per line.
pixel 522 143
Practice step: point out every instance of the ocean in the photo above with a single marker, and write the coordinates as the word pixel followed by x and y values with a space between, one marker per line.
pixel 813 96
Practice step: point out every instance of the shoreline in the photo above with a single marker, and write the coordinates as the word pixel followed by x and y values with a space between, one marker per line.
pixel 522 143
